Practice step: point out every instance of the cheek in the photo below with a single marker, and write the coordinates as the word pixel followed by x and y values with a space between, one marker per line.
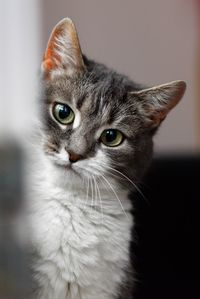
pixel 49 143
pixel 105 158
pixel 120 155
pixel 101 158
pixel 97 162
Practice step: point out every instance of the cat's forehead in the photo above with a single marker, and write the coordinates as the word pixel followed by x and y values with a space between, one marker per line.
pixel 104 96
pixel 98 101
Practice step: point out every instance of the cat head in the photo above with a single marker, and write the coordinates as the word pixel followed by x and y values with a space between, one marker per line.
pixel 97 122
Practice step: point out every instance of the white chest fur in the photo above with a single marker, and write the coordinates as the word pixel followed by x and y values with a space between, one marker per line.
pixel 83 246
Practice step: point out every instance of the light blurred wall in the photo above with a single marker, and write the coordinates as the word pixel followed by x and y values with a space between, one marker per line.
pixel 20 52
pixel 151 41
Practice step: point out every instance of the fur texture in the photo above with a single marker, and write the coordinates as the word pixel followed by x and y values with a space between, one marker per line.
pixel 80 212
pixel 82 236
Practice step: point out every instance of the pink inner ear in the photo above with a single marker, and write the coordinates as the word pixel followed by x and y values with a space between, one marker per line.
pixel 51 58
pixel 63 50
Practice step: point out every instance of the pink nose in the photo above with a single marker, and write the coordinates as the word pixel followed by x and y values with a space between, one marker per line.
pixel 73 157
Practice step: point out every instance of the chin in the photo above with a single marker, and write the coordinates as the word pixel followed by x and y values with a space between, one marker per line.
pixel 65 174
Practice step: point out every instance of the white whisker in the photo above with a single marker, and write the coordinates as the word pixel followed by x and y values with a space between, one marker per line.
pixel 99 193
pixel 92 190
pixel 87 193
pixel 95 193
pixel 111 187
pixel 98 171
pixel 126 177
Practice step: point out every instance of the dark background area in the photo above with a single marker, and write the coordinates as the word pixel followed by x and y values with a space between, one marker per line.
pixel 166 249
pixel 166 253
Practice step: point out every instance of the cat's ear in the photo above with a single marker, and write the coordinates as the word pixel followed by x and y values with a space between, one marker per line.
pixel 63 53
pixel 156 102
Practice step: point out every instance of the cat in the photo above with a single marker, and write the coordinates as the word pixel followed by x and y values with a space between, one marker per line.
pixel 96 145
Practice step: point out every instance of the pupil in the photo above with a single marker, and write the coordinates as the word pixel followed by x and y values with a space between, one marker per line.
pixel 64 112
pixel 111 135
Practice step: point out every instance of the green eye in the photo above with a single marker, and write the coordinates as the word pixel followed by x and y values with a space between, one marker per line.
pixel 63 114
pixel 111 137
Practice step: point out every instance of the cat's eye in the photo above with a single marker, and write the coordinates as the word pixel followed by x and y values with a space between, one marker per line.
pixel 111 137
pixel 63 114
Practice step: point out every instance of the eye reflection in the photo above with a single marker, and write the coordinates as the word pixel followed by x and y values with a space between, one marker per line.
pixel 111 137
pixel 63 113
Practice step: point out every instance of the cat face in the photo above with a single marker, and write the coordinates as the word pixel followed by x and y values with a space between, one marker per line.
pixel 97 122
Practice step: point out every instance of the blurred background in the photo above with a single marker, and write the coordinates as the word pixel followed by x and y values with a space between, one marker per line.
pixel 152 42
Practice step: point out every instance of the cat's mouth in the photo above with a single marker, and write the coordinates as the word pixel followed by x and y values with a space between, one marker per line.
pixel 68 167
pixel 64 166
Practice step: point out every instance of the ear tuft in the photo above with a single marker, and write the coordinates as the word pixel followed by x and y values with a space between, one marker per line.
pixel 63 51
pixel 157 101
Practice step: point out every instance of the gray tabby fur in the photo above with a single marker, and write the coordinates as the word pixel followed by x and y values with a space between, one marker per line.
pixel 103 99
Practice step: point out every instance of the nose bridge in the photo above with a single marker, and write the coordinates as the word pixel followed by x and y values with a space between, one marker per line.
pixel 78 142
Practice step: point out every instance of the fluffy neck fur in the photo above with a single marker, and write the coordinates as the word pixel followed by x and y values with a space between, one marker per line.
pixel 82 242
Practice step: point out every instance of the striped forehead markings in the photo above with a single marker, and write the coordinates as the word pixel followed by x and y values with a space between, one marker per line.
pixel 80 101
